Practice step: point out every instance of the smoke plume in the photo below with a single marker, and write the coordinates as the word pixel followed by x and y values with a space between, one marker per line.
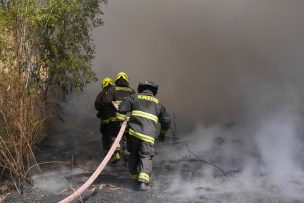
pixel 230 69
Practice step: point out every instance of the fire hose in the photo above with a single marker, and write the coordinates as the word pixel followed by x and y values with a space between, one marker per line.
pixel 100 167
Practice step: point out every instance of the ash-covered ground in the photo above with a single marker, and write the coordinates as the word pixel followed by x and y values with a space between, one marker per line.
pixel 183 170
pixel 74 153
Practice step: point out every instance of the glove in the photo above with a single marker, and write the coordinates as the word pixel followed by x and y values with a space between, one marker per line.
pixel 162 137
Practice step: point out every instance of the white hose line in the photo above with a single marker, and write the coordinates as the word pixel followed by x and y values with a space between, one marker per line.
pixel 100 167
pixel 115 105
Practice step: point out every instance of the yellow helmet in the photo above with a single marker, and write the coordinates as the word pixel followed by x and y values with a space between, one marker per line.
pixel 106 82
pixel 122 75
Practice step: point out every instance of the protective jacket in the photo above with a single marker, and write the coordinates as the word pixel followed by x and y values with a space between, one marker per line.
pixel 106 111
pixel 117 94
pixel 146 111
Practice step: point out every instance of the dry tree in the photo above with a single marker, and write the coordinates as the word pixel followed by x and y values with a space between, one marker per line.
pixel 21 126
pixel 45 47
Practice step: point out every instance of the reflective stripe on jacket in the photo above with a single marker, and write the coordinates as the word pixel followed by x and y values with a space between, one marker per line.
pixel 107 121
pixel 146 112
pixel 117 94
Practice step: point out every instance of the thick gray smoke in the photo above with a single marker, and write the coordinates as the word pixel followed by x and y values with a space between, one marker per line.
pixel 236 62
pixel 209 57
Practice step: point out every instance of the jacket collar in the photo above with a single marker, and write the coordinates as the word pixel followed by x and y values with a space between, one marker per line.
pixel 147 92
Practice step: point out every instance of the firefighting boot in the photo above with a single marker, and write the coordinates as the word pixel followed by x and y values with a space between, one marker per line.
pixel 116 157
pixel 143 186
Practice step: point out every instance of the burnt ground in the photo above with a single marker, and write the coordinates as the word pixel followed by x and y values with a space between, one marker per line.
pixel 173 180
pixel 80 148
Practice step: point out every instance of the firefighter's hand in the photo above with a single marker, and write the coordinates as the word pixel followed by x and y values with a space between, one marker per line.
pixel 162 137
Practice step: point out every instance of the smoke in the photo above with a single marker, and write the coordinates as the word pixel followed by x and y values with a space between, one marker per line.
pixel 261 153
pixel 217 62
pixel 54 181
pixel 261 160
pixel 205 55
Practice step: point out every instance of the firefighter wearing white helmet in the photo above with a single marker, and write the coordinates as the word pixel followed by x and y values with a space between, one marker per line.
pixel 105 113
pixel 117 93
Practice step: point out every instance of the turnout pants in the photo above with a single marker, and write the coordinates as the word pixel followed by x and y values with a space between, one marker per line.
pixel 114 128
pixel 140 161
pixel 109 133
pixel 106 141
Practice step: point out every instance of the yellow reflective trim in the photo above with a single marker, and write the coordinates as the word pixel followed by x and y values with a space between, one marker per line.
pixel 148 98
pixel 144 176
pixel 106 121
pixel 112 119
pixel 145 115
pixel 127 89
pixel 120 116
pixel 141 136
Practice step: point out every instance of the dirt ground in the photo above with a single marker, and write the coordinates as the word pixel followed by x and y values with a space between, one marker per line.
pixel 75 153
pixel 81 149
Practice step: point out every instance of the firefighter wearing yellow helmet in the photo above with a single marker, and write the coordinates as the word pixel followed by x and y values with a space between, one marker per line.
pixel 106 113
pixel 123 76
pixel 117 93
pixel 106 82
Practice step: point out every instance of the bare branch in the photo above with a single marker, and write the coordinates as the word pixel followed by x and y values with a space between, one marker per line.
pixel 173 128
pixel 206 162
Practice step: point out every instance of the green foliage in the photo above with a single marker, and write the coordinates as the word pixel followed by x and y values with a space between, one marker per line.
pixel 57 34
pixel 66 43
pixel 44 45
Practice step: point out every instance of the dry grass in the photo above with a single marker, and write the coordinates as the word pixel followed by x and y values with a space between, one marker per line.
pixel 21 126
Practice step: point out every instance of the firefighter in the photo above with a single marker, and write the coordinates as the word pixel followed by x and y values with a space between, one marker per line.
pixel 146 112
pixel 117 93
pixel 106 113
